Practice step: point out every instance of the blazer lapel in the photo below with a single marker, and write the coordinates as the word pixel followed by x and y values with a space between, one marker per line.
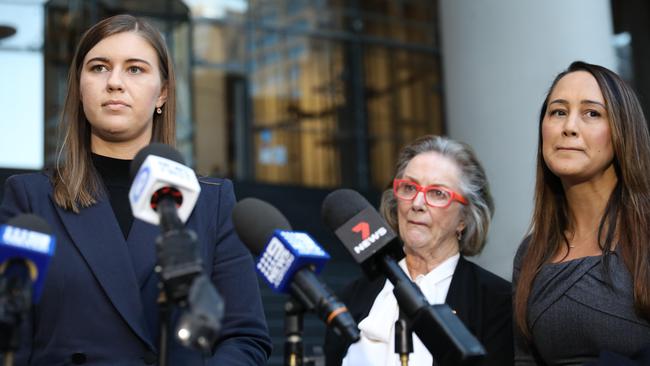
pixel 461 296
pixel 101 243
pixel 142 245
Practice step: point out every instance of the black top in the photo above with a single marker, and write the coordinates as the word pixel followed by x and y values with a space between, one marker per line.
pixel 115 176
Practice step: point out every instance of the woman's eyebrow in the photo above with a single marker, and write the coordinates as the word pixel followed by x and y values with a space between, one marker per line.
pixel 107 60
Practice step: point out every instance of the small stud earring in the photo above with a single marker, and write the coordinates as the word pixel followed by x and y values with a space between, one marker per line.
pixel 459 235
pixel 159 110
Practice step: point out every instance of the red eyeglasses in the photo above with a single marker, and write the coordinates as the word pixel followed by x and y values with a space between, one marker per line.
pixel 434 196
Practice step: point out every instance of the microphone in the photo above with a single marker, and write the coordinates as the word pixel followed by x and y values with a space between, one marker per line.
pixel 27 241
pixel 161 176
pixel 164 192
pixel 376 247
pixel 26 248
pixel 287 261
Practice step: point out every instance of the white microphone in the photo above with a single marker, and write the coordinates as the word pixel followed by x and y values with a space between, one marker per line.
pixel 161 174
pixel 164 192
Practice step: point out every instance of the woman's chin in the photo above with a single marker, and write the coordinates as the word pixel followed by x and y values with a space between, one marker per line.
pixel 417 242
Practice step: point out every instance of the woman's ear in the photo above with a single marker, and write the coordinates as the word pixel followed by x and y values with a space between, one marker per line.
pixel 461 226
pixel 162 98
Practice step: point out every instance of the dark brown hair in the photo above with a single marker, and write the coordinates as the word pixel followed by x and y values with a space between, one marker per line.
pixel 477 214
pixel 628 205
pixel 75 180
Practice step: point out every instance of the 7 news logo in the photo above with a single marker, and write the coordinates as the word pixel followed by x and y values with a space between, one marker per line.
pixel 362 228
pixel 364 234
pixel 367 239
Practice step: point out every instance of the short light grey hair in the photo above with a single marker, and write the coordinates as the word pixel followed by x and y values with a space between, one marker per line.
pixel 477 214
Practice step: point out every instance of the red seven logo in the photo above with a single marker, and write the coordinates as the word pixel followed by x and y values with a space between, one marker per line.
pixel 363 228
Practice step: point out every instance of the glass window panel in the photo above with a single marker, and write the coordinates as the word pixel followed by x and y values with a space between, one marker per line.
pixel 27 18
pixel 403 102
pixel 21 100
pixel 216 9
pixel 295 110
pixel 310 107
pixel 400 26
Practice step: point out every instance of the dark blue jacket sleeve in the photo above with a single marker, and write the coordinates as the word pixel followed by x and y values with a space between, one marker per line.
pixel 14 200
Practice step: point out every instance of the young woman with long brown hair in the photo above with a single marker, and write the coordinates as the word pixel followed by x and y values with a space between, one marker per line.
pixel 99 303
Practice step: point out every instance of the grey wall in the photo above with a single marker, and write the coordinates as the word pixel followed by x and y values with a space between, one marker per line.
pixel 499 58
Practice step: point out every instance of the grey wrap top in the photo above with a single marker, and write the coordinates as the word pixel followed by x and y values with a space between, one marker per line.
pixel 579 308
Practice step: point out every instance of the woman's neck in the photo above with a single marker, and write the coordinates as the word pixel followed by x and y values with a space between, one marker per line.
pixel 586 204
pixel 119 150
pixel 423 261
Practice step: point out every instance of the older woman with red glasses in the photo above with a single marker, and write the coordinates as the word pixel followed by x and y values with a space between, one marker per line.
pixel 441 206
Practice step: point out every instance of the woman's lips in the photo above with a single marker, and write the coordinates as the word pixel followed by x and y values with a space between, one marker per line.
pixel 115 102
pixel 417 223
pixel 569 148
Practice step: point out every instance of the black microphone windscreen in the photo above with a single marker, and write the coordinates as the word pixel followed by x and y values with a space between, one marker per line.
pixel 30 222
pixel 158 149
pixel 341 205
pixel 255 220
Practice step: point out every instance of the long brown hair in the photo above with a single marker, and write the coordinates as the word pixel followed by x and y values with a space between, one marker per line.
pixel 76 183
pixel 628 205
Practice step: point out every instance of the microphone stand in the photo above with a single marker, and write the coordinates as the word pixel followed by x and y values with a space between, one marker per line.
pixel 176 266
pixel 403 339
pixel 163 306
pixel 15 303
pixel 293 321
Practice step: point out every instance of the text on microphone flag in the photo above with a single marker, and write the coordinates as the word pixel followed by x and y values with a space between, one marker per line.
pixel 27 239
pixel 303 244
pixel 274 262
pixel 286 253
pixel 157 173
pixel 140 183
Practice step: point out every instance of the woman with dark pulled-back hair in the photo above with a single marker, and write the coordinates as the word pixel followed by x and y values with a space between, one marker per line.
pixel 99 301
pixel 582 275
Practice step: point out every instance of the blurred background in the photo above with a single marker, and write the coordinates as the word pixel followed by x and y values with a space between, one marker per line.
pixel 294 98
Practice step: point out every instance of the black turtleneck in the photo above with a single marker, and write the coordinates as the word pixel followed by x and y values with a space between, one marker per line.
pixel 115 175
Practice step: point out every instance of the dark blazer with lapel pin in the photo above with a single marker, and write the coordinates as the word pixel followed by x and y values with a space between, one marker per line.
pixel 482 301
pixel 99 300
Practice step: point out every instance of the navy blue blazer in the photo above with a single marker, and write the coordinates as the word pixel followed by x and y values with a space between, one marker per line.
pixel 481 299
pixel 99 300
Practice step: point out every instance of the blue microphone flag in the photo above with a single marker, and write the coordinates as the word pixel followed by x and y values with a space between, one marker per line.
pixel 36 248
pixel 285 254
